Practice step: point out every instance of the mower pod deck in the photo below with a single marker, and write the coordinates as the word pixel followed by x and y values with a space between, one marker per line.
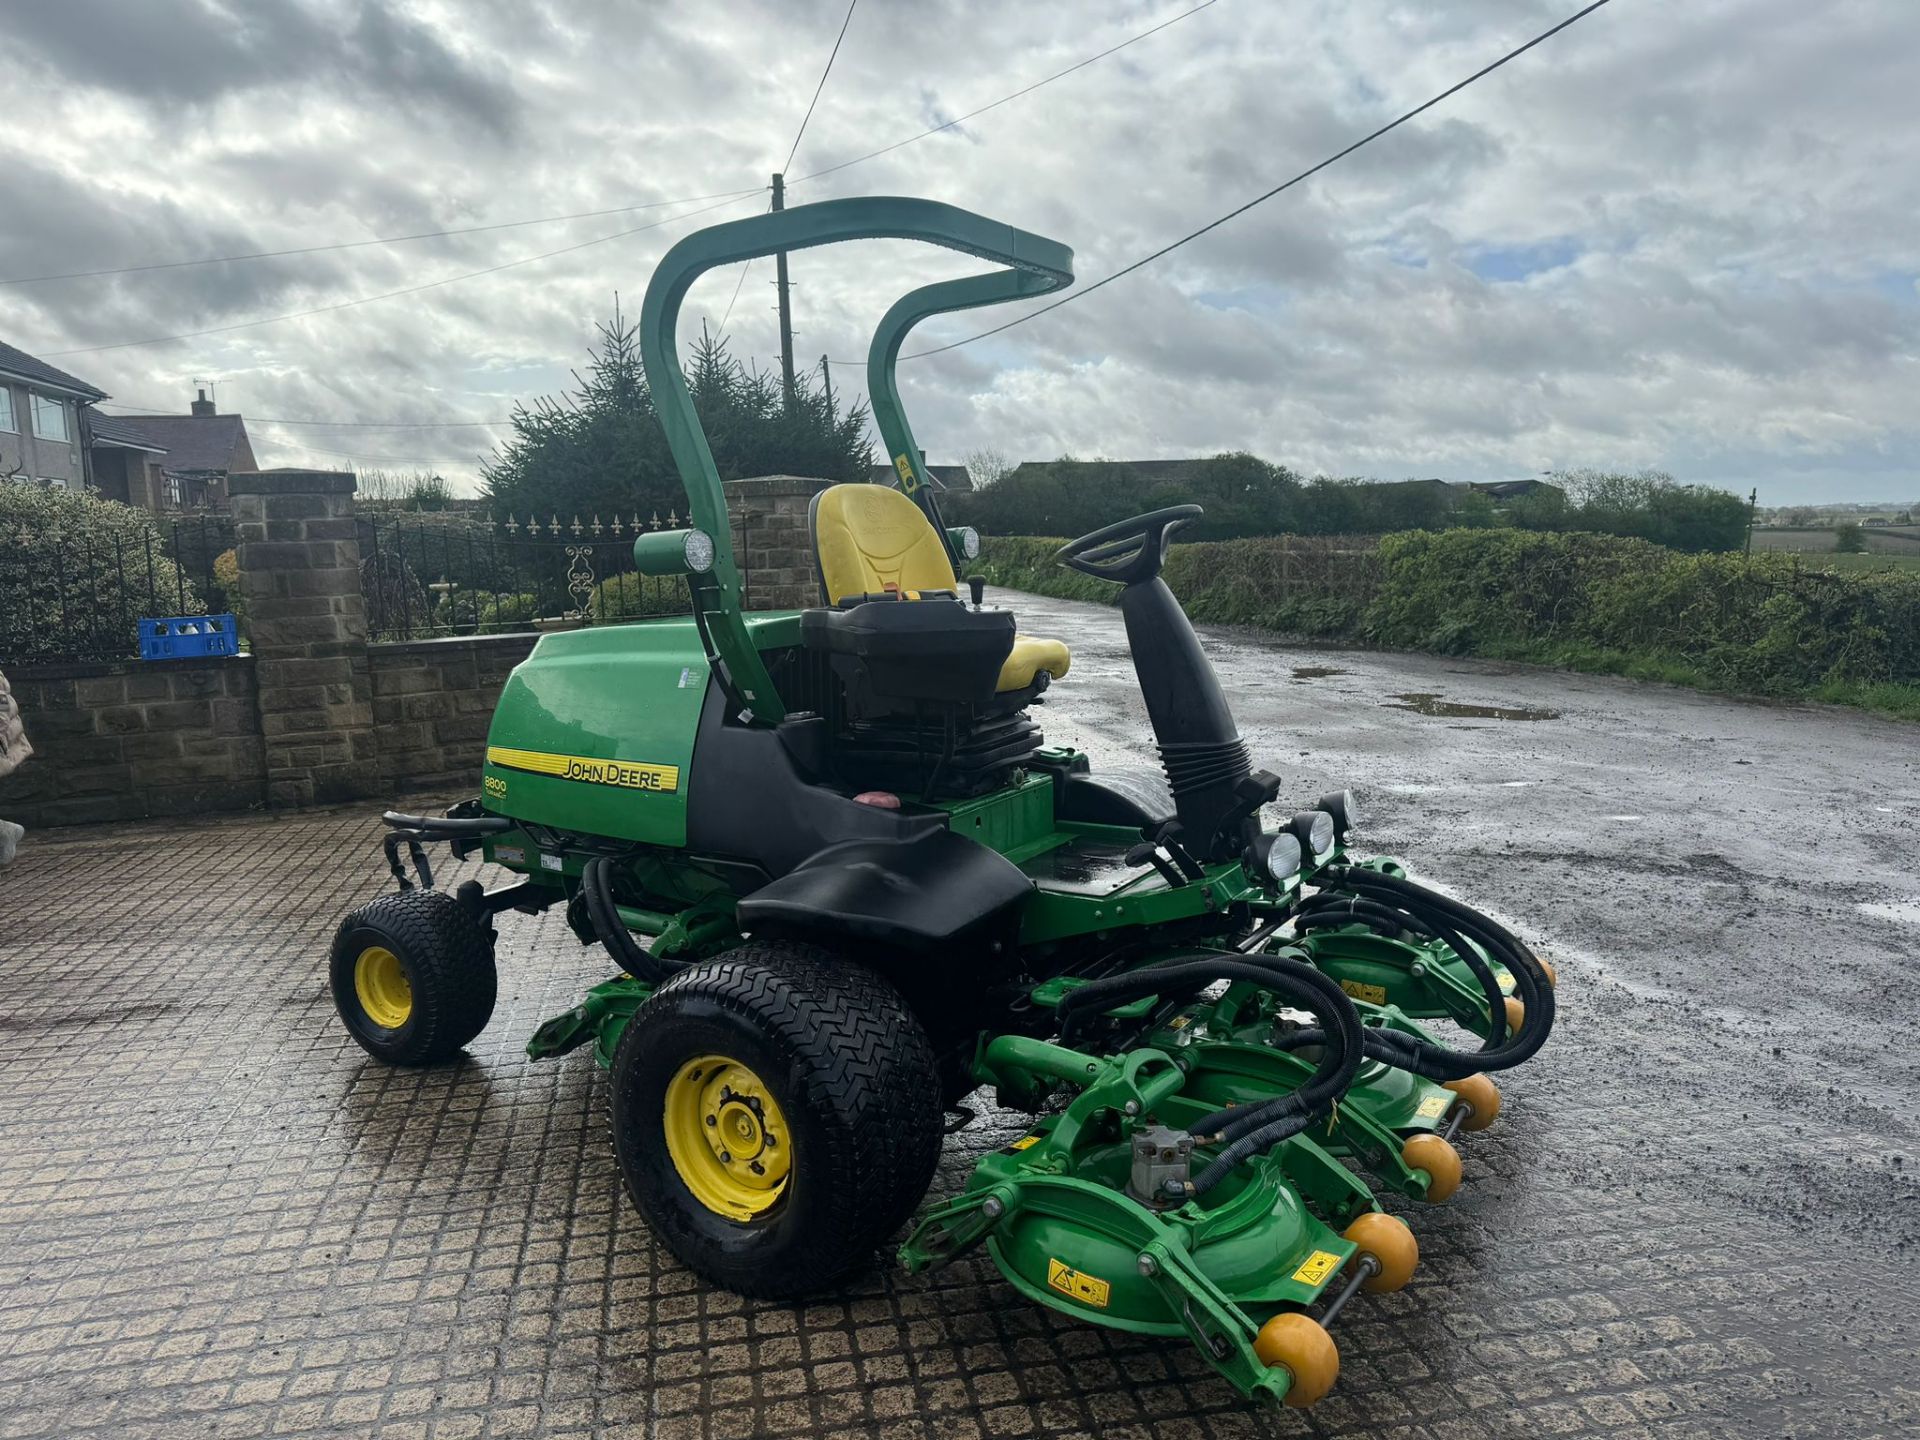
pixel 1056 1214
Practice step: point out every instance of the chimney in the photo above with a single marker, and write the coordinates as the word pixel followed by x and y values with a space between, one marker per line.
pixel 202 406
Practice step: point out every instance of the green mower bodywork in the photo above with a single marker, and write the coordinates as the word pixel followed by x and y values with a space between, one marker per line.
pixel 859 875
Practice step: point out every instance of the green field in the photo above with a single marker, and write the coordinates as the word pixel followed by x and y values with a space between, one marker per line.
pixel 1831 560
pixel 1899 540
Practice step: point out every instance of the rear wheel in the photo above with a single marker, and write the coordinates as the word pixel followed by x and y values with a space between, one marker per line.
pixel 776 1113
pixel 413 977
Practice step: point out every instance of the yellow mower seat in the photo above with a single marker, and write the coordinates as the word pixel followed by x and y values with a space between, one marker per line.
pixel 871 538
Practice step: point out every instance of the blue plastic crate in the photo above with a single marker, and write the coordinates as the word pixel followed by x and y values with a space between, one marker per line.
pixel 185 636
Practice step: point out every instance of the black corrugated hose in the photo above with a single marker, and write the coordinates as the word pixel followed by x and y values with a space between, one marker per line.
pixel 1390 902
pixel 627 953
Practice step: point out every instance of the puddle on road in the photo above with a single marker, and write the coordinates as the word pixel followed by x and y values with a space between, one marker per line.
pixel 1317 672
pixel 1907 911
pixel 1424 703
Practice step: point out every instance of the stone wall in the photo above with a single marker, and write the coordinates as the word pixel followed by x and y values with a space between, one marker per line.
pixel 307 623
pixel 771 542
pixel 314 713
pixel 125 740
pixel 432 701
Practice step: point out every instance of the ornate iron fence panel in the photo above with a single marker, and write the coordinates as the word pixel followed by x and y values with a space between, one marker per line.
pixel 453 573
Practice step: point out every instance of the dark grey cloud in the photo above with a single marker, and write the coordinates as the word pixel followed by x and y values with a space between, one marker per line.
pixel 199 52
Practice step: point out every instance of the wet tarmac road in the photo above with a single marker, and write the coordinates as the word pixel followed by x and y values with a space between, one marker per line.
pixel 1695 1218
pixel 1723 1129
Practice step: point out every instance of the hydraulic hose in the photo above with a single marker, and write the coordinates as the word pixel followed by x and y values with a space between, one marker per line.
pixel 1326 910
pixel 627 952
pixel 1461 928
pixel 1255 1128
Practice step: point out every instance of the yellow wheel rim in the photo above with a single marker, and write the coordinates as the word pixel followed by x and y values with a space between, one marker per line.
pixel 727 1138
pixel 382 987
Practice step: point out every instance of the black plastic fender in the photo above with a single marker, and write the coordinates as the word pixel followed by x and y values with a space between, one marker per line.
pixel 926 890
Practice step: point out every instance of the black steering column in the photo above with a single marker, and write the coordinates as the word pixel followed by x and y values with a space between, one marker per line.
pixel 1200 746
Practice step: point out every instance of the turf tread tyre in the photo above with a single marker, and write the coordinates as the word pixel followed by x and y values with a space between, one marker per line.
pixel 856 1078
pixel 449 964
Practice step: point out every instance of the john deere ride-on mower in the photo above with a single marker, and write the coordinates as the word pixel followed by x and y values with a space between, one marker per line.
pixel 847 884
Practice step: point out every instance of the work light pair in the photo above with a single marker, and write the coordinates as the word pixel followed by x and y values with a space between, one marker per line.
pixel 1308 837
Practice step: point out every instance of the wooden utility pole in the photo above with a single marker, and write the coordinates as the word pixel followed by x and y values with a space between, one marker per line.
pixel 786 309
pixel 1753 510
pixel 826 381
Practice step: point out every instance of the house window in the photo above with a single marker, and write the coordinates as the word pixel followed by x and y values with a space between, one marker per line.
pixel 49 418
pixel 7 422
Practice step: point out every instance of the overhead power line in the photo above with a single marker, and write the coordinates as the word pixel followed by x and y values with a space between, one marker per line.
pixel 1211 225
pixel 381 240
pixel 395 294
pixel 821 86
pixel 137 408
pixel 1003 100
pixel 722 198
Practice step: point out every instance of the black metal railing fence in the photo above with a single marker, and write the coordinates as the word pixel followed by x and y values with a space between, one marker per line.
pixel 79 592
pixel 434 574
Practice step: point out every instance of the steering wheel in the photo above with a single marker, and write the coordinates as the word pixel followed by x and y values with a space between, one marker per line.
pixel 1128 551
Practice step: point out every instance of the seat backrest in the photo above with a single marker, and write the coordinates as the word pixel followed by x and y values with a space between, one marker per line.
pixel 870 537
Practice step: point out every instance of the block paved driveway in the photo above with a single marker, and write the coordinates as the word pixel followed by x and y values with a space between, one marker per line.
pixel 1697 1218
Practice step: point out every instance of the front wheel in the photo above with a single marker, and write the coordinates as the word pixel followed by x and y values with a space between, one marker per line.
pixel 776 1113
pixel 413 977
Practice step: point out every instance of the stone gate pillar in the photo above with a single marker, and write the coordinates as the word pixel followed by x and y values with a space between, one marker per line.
pixel 307 624
pixel 770 544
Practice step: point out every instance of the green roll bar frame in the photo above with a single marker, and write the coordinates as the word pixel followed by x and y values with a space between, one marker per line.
pixel 1035 266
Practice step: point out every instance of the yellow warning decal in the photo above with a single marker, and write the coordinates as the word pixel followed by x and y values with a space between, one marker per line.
pixel 1372 994
pixel 1434 1106
pixel 1317 1267
pixel 1025 1142
pixel 627 774
pixel 905 467
pixel 1087 1289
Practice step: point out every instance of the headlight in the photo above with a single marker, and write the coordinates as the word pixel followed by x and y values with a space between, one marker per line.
pixel 674 552
pixel 698 550
pixel 1314 831
pixel 1344 809
pixel 966 540
pixel 1274 858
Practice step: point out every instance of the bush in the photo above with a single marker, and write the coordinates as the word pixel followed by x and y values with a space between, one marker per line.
pixel 77 572
pixel 636 597
pixel 1849 539
pixel 508 612
pixel 226 574
pixel 1764 625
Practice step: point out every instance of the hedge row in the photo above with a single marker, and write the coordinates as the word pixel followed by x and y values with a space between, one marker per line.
pixel 1762 625
pixel 77 573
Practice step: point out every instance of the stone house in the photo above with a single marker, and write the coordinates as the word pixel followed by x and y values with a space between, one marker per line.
pixel 126 464
pixel 202 448
pixel 41 436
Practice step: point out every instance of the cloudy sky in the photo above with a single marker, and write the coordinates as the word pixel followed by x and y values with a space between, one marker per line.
pixel 1673 236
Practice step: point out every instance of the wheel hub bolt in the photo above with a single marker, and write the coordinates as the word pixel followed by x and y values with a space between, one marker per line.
pixel 757 1168
pixel 713 1119
pixel 725 1158
pixel 993 1208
